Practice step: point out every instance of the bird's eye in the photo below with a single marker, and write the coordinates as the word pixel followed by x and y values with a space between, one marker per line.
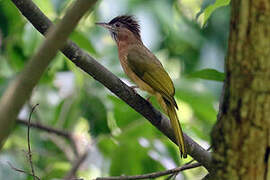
pixel 117 25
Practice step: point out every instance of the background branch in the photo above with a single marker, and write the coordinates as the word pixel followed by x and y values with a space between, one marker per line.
pixel 22 171
pixel 113 83
pixel 20 89
pixel 173 172
pixel 48 129
pixel 67 135
pixel 72 173
pixel 152 175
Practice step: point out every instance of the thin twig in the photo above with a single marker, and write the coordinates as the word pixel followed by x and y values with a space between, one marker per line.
pixel 22 171
pixel 29 149
pixel 172 176
pixel 191 161
pixel 152 175
pixel 55 131
pixel 76 166
pixel 28 142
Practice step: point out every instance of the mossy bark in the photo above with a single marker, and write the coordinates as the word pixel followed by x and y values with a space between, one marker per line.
pixel 241 137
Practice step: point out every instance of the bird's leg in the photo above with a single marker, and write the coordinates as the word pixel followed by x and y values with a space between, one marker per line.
pixel 134 87
pixel 148 99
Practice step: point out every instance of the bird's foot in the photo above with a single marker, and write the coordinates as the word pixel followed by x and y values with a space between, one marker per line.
pixel 148 99
pixel 134 88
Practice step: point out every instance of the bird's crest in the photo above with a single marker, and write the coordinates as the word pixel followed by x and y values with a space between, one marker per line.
pixel 129 22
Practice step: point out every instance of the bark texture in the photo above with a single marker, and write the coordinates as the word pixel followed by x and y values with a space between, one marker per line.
pixel 241 141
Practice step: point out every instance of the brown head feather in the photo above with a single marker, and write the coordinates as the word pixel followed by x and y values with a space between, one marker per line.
pixel 129 22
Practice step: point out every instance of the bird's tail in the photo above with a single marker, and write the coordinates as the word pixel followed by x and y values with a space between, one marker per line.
pixel 176 128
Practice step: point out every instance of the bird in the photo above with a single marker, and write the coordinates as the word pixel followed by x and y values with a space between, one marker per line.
pixel 145 70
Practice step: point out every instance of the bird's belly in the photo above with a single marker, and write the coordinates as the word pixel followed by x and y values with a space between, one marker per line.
pixel 142 85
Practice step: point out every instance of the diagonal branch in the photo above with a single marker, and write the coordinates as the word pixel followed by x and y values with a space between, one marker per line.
pixel 72 173
pixel 113 83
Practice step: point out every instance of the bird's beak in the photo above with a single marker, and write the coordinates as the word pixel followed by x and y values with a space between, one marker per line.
pixel 105 25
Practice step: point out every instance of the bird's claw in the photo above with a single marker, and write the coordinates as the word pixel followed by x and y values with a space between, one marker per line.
pixel 148 99
pixel 134 88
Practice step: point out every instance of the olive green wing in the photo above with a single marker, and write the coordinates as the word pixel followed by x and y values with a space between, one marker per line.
pixel 147 67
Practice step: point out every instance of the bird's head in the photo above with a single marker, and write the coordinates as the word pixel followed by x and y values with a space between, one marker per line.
pixel 123 28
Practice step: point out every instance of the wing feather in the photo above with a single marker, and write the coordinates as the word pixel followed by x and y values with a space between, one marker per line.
pixel 148 68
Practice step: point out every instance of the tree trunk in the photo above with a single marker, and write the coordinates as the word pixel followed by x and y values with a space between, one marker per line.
pixel 241 141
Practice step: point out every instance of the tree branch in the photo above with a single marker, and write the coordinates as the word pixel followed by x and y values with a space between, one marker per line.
pixel 20 89
pixel 152 175
pixel 48 129
pixel 113 83
pixel 62 133
pixel 22 171
pixel 71 174
pixel 55 131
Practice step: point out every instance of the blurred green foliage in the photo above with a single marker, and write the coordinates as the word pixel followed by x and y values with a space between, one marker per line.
pixel 209 74
pixel 119 140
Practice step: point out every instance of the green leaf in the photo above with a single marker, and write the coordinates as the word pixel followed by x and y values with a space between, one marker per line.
pixel 107 146
pixel 4 84
pixel 57 64
pixel 124 115
pixel 94 110
pixel 201 103
pixel 60 5
pixel 11 19
pixel 129 151
pixel 208 74
pixel 15 53
pixel 31 39
pixel 211 8
pixel 83 41
pixel 58 170
pixel 79 79
pixel 203 111
pixel 46 7
pixel 6 71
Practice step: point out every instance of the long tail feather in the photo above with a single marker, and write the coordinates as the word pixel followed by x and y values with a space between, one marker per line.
pixel 177 128
pixel 169 108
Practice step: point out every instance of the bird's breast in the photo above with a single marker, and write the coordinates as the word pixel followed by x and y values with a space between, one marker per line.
pixel 140 83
